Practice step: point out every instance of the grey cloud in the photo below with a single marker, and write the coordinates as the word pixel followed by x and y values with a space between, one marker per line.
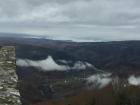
pixel 92 19
pixel 97 12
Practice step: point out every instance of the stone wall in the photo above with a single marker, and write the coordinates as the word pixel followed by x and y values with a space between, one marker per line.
pixel 8 79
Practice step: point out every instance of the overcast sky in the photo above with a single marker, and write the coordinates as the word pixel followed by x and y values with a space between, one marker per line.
pixel 93 20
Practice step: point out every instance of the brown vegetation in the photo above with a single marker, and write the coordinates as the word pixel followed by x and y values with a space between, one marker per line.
pixel 106 96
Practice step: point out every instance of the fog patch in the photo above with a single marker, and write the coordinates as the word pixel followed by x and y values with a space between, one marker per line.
pixel 78 64
pixel 49 64
pixel 99 80
pixel 64 61
pixel 133 80
pixel 22 63
pixel 82 65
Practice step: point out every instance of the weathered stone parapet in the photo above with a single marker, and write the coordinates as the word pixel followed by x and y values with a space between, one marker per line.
pixel 9 95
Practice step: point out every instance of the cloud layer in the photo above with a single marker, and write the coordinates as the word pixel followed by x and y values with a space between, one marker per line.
pixel 50 65
pixel 94 20
pixel 96 12
pixel 47 64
